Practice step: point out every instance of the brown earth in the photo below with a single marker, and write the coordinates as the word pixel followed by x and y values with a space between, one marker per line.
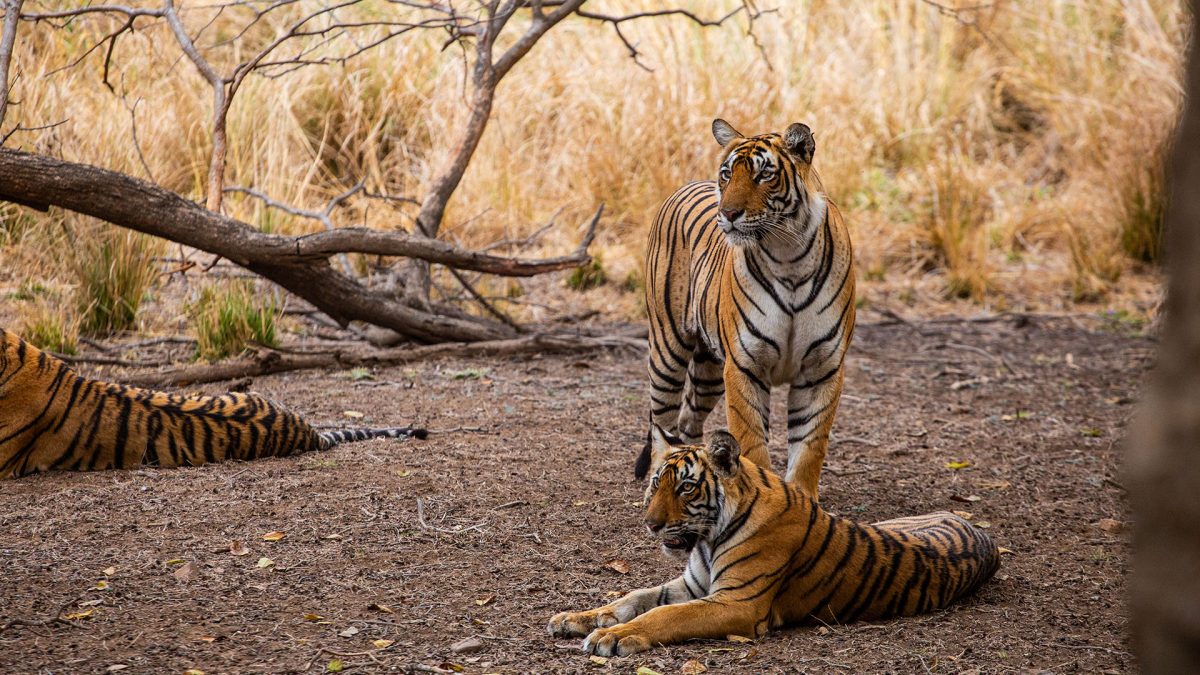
pixel 488 530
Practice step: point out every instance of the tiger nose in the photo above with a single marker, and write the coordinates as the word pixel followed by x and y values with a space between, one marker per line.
pixel 732 214
pixel 653 525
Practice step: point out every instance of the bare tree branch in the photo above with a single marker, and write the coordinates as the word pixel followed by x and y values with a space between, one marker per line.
pixel 216 163
pixel 8 38
pixel 324 34
pixel 323 215
pixel 634 54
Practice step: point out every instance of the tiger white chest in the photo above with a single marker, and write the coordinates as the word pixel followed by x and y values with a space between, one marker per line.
pixel 785 311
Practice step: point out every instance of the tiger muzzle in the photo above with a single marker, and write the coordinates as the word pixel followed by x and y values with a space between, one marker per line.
pixel 680 541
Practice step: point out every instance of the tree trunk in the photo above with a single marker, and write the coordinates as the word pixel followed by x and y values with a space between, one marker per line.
pixel 1164 450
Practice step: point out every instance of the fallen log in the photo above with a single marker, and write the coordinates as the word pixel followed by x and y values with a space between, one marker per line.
pixel 299 264
pixel 267 361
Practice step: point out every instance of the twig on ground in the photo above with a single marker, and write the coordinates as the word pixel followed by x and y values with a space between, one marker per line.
pixel 998 359
pixel 427 526
pixel 857 439
pixel 56 618
pixel 110 361
pixel 267 361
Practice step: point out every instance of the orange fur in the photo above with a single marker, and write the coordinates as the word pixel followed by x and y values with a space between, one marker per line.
pixel 760 555
pixel 52 418
pixel 749 285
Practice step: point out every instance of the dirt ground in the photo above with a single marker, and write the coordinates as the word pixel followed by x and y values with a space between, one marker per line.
pixel 513 511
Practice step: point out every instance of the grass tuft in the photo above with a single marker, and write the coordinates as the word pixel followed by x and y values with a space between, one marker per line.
pixel 587 276
pixel 114 271
pixel 50 330
pixel 227 319
pixel 1145 209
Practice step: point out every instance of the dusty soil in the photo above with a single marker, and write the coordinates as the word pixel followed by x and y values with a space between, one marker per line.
pixel 489 530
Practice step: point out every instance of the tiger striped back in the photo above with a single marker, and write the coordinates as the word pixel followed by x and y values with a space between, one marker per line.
pixel 51 418
pixel 750 285
pixel 760 555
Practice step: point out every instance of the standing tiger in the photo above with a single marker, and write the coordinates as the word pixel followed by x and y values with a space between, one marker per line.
pixel 750 284
pixel 760 554
pixel 51 418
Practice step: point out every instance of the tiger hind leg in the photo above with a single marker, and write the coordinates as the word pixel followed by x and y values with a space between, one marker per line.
pixel 668 369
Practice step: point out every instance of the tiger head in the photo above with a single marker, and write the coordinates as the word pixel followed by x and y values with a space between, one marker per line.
pixel 686 494
pixel 764 182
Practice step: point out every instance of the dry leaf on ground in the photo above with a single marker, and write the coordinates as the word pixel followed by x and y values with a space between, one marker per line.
pixel 187 572
pixel 618 565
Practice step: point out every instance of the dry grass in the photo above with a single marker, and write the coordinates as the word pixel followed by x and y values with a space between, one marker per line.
pixel 114 271
pixel 229 318
pixel 1010 153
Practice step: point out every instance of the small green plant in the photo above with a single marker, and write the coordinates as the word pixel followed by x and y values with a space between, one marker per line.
pixel 589 275
pixel 114 271
pixel 1122 322
pixel 634 282
pixel 226 320
pixel 358 374
pixel 30 290
pixel 48 330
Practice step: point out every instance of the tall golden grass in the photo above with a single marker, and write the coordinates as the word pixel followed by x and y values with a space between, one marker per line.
pixel 1010 153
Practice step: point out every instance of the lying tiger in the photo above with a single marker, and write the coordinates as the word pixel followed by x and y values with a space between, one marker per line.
pixel 750 285
pixel 762 555
pixel 51 418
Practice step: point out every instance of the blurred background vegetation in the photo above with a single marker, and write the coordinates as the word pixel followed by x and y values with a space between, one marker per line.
pixel 1004 155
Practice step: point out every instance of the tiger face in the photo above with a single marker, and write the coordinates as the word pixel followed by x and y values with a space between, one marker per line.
pixel 684 497
pixel 763 182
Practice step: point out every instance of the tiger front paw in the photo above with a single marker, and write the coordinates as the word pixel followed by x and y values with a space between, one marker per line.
pixel 616 641
pixel 578 624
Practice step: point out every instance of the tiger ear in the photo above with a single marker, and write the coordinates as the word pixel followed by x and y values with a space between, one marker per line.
pixel 724 452
pixel 724 132
pixel 659 444
pixel 798 139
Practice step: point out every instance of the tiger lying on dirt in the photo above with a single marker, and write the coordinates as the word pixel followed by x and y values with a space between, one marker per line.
pixel 51 418
pixel 761 555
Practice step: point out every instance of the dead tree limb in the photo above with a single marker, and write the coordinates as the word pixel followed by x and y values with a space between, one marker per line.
pixel 299 264
pixel 8 38
pixel 266 361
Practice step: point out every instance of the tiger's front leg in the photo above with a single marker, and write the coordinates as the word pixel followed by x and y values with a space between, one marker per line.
pixel 747 406
pixel 811 409
pixel 633 604
pixel 705 618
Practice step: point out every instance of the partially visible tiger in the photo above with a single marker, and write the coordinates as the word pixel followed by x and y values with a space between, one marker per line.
pixel 750 284
pixel 51 418
pixel 762 555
